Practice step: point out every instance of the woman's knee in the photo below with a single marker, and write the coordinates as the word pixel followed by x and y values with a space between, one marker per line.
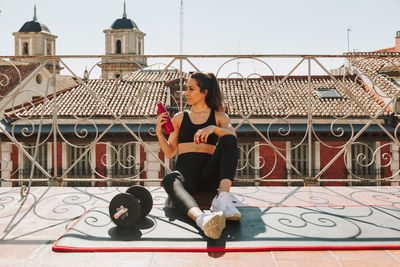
pixel 228 139
pixel 169 180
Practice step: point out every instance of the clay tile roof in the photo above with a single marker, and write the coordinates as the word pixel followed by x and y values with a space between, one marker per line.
pixel 378 68
pixel 158 76
pixel 242 96
pixel 11 76
pixel 291 97
pixel 385 50
pixel 65 81
pixel 114 94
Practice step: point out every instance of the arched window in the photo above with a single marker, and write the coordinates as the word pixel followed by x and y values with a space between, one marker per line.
pixel 118 46
pixel 25 49
pixel 140 47
pixel 48 48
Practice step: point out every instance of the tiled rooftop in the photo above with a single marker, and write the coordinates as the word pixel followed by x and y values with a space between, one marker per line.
pixel 242 95
pixel 376 68
pixel 65 81
pixel 11 76
pixel 144 76
pixel 291 97
pixel 28 228
pixel 116 95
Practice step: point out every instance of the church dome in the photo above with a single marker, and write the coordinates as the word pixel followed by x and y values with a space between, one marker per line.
pixel 124 23
pixel 34 26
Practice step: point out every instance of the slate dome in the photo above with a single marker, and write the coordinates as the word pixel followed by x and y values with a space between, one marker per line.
pixel 34 26
pixel 124 23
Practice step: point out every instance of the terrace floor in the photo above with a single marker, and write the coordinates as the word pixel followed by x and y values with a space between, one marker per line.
pixel 29 228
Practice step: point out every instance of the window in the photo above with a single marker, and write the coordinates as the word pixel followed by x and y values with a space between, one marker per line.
pixel 39 78
pixel 246 163
pixel 118 47
pixel 328 93
pixel 25 49
pixel 172 162
pixel 41 158
pixel 299 159
pixel 139 46
pixel 48 48
pixel 83 168
pixel 123 160
pixel 397 106
pixel 362 161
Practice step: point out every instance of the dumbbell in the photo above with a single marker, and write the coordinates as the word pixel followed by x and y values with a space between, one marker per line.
pixel 126 209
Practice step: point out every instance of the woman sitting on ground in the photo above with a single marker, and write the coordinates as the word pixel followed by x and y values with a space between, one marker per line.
pixel 207 154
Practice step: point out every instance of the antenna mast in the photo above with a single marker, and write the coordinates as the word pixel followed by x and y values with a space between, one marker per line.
pixel 238 62
pixel 348 38
pixel 181 30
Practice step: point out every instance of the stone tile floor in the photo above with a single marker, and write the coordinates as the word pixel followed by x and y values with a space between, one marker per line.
pixel 28 228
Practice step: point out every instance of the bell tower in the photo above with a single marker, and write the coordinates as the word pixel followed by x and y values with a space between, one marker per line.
pixel 123 38
pixel 35 39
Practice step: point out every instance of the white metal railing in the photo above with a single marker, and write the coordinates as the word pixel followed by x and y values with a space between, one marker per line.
pixel 263 171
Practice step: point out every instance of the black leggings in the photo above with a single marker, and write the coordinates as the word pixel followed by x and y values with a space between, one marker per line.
pixel 197 172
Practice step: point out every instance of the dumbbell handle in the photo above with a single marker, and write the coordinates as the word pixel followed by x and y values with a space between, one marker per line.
pixel 121 212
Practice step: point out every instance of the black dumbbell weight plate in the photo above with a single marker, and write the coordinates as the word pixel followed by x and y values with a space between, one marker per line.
pixel 134 210
pixel 144 198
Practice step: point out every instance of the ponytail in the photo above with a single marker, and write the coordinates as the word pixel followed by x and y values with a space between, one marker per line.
pixel 214 98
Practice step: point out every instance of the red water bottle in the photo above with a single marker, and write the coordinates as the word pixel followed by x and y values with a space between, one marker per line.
pixel 167 127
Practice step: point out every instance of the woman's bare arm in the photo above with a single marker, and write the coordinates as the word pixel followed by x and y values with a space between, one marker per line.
pixel 222 128
pixel 168 147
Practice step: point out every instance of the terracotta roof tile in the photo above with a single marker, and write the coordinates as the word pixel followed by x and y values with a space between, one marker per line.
pixel 377 69
pixel 65 81
pixel 10 77
pixel 291 97
pixel 243 96
pixel 149 75
pixel 385 50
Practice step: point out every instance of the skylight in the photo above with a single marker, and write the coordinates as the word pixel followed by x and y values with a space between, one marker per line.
pixel 328 93
pixel 396 81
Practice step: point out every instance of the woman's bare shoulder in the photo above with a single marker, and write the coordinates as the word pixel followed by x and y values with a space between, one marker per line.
pixel 221 115
pixel 177 119
pixel 178 115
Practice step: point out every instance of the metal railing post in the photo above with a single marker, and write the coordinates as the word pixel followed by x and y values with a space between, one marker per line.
pixel 54 178
pixel 309 125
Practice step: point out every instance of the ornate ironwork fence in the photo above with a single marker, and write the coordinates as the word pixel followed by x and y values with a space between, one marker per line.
pixel 292 128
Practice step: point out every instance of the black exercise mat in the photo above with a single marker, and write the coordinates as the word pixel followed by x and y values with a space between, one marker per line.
pixel 261 228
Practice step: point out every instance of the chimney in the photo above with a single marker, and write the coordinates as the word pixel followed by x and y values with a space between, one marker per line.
pixel 397 47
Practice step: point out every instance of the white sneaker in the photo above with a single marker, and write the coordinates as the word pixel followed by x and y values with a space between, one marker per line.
pixel 223 202
pixel 212 224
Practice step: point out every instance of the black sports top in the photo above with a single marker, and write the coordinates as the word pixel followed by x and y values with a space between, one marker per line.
pixel 188 129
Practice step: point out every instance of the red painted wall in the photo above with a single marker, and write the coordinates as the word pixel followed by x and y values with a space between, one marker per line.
pixel 337 170
pixel 101 168
pixel 162 158
pixel 385 159
pixel 59 157
pixel 142 160
pixel 14 159
pixel 267 155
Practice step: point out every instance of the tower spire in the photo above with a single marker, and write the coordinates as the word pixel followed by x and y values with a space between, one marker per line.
pixel 34 13
pixel 124 15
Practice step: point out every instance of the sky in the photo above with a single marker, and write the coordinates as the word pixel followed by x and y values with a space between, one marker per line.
pixel 213 27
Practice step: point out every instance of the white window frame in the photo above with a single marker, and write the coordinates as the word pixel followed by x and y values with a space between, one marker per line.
pixel 41 159
pixel 126 151
pixel 84 164
pixel 250 172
